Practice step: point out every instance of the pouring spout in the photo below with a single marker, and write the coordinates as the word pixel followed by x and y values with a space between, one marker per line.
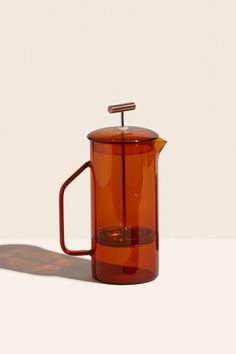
pixel 159 144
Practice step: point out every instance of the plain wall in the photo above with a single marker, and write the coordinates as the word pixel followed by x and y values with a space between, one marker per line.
pixel 63 62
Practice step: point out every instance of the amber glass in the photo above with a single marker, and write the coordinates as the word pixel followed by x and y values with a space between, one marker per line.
pixel 124 204
pixel 124 186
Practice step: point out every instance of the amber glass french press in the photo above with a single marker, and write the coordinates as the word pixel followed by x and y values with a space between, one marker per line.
pixel 124 202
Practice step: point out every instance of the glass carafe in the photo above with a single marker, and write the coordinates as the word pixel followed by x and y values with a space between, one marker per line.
pixel 124 202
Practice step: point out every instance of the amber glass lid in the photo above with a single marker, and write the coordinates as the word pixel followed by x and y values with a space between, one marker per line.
pixel 121 134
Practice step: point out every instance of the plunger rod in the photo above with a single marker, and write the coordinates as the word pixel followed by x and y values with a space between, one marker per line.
pixel 115 109
pixel 123 176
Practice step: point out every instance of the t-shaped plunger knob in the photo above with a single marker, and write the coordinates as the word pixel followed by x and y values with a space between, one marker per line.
pixel 122 108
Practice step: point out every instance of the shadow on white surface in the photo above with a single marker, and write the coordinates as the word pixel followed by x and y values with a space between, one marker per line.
pixel 39 261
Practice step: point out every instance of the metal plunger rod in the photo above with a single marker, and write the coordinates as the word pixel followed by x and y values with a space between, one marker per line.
pixel 122 119
pixel 123 175
pixel 115 109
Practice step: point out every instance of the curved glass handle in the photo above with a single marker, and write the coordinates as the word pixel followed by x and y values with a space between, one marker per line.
pixel 61 213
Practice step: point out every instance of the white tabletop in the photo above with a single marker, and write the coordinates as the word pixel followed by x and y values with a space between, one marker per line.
pixel 58 308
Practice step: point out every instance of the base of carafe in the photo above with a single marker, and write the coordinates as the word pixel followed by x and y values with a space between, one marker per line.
pixel 125 256
pixel 117 275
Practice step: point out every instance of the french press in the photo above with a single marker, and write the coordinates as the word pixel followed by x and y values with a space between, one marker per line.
pixel 124 202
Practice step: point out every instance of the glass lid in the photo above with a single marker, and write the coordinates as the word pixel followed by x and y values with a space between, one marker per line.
pixel 122 133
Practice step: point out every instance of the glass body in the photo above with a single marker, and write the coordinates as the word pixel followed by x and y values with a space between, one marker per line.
pixel 124 211
pixel 124 204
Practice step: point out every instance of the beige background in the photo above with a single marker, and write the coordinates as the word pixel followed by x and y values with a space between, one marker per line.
pixel 63 62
